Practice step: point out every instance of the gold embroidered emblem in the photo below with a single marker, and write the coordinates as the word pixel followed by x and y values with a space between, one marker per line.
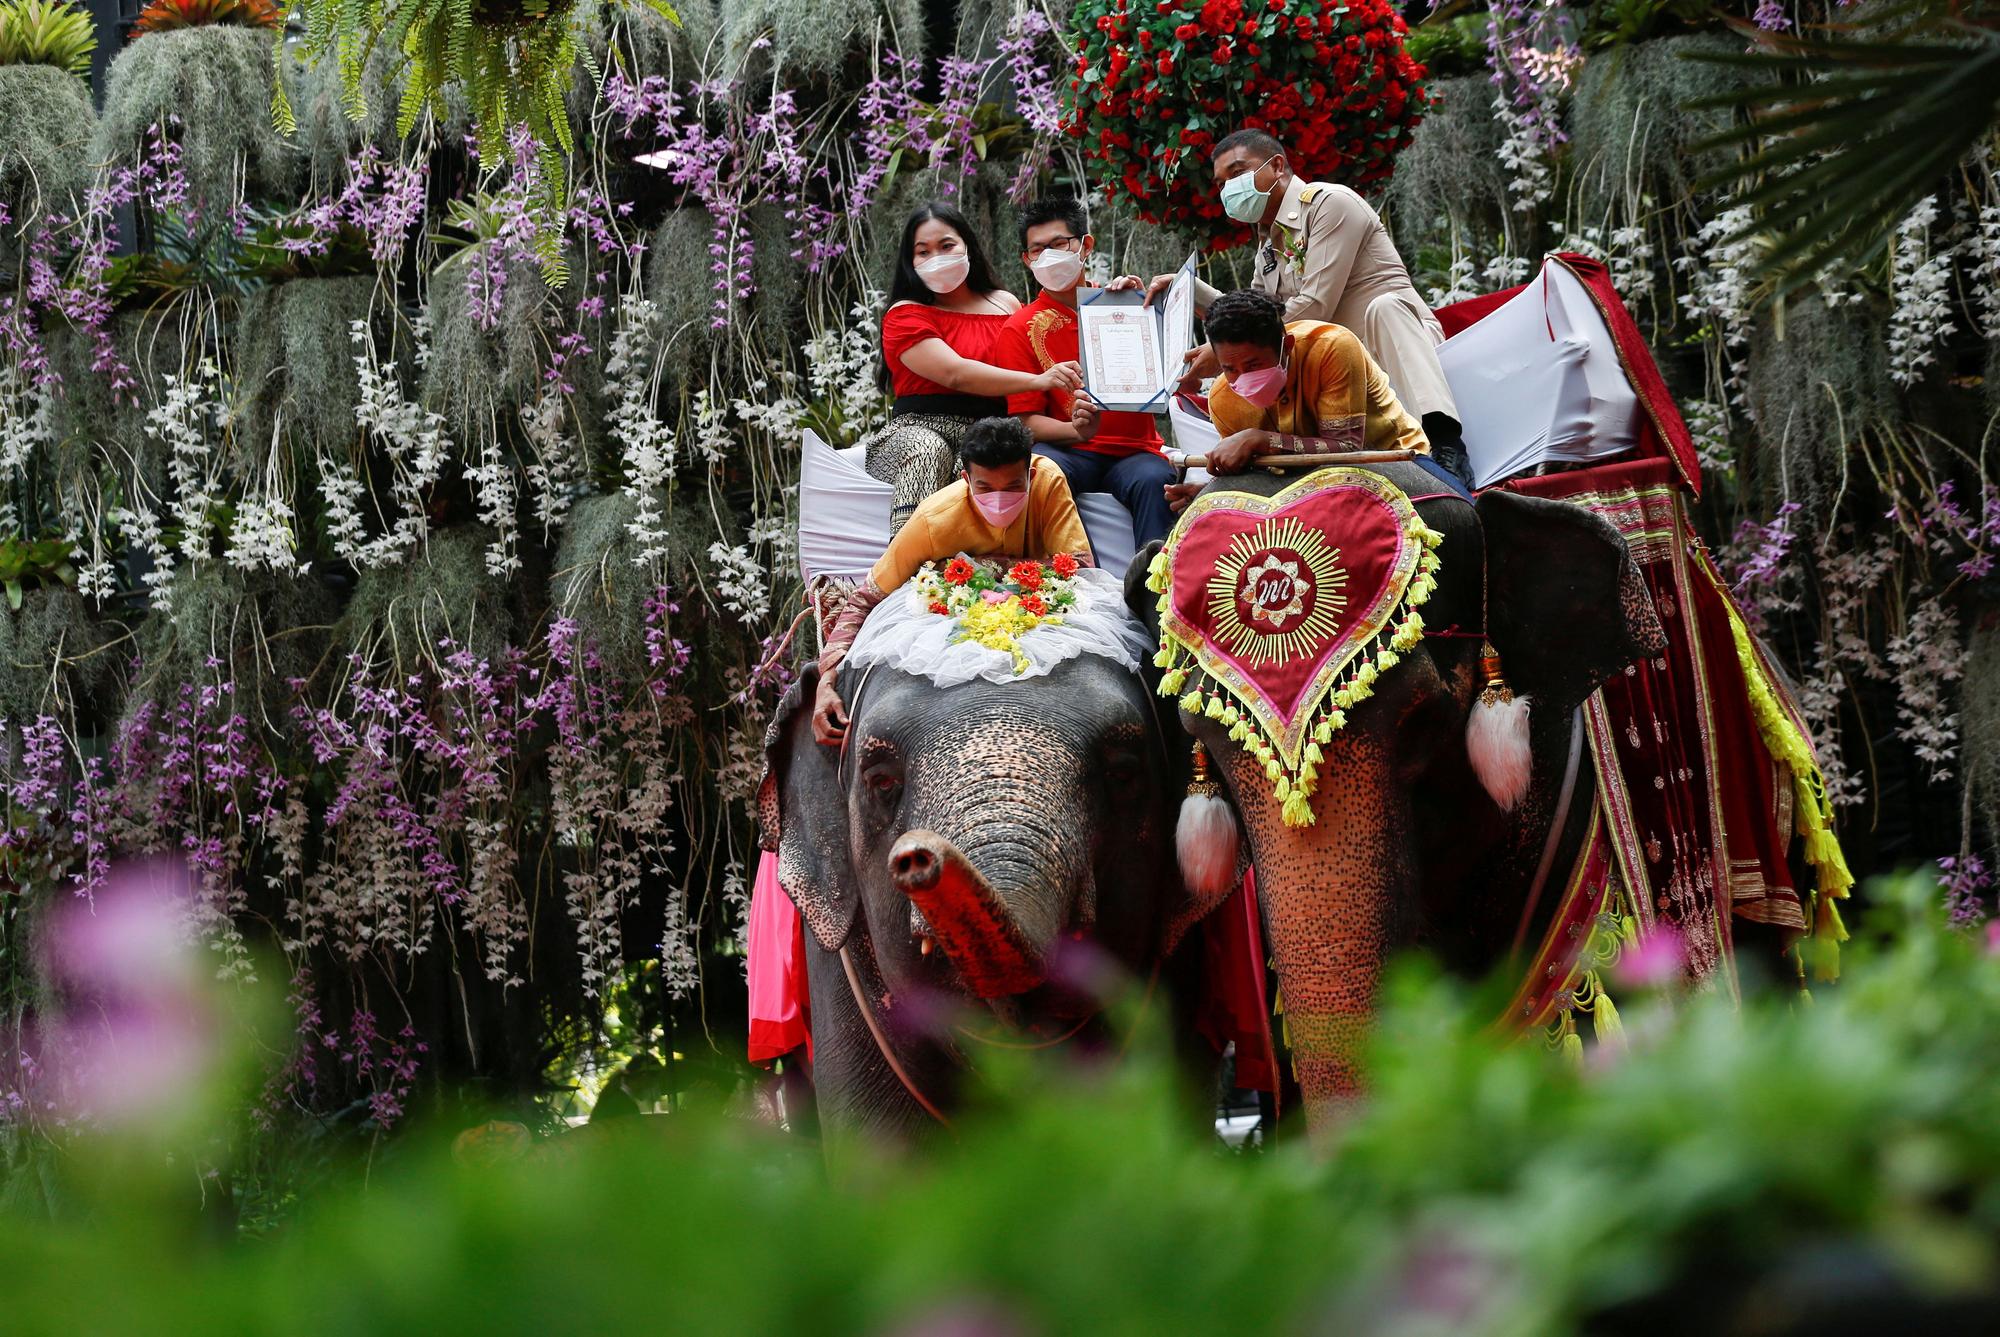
pixel 1039 326
pixel 1278 593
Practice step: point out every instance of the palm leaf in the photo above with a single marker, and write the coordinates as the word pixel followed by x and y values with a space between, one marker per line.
pixel 1852 134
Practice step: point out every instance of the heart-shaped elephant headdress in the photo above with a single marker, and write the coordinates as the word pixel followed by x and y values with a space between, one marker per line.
pixel 1278 613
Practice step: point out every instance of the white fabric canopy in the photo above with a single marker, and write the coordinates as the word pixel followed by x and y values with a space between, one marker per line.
pixel 844 516
pixel 1538 381
pixel 904 635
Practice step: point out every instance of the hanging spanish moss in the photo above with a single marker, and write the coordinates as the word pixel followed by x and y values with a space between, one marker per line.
pixel 1814 394
pixel 58 657
pixel 818 39
pixel 439 598
pixel 1632 135
pixel 209 90
pixel 44 155
pixel 295 361
pixel 1451 179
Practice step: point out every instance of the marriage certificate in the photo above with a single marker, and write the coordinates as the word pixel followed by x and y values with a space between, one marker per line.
pixel 1134 352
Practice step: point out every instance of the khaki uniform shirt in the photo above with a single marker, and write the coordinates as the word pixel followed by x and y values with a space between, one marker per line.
pixel 1328 257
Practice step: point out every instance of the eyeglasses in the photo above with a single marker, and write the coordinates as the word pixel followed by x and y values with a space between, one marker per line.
pixel 1054 243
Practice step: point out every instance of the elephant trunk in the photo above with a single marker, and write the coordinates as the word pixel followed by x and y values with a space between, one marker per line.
pixel 972 922
pixel 1332 894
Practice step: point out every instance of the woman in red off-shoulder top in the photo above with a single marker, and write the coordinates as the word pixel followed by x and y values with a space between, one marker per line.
pixel 945 311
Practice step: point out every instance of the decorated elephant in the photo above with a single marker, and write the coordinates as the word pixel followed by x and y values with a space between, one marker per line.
pixel 973 834
pixel 1338 716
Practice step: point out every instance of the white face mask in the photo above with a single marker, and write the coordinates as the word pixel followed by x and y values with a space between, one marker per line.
pixel 944 273
pixel 1241 199
pixel 1058 270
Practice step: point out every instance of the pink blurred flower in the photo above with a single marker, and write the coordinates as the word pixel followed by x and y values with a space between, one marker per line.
pixel 133 1035
pixel 1993 937
pixel 965 1316
pixel 1653 962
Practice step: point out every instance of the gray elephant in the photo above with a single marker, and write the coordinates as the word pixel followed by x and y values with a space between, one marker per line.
pixel 944 858
pixel 1407 846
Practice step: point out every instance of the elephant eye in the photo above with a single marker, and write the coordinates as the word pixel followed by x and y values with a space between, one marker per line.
pixel 1122 770
pixel 884 784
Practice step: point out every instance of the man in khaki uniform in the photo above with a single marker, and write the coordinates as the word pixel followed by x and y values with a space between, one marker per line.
pixel 1326 256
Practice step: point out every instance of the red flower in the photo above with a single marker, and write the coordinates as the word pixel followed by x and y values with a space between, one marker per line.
pixel 1221 15
pixel 958 570
pixel 1032 603
pixel 1063 565
pixel 1366 95
pixel 939 608
pixel 1028 575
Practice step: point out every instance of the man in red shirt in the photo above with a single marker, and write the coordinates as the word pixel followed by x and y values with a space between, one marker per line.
pixel 1098 451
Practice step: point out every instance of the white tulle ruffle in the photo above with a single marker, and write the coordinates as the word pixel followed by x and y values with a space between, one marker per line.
pixel 903 634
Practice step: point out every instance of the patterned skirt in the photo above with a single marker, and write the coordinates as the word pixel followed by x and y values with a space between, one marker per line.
pixel 918 454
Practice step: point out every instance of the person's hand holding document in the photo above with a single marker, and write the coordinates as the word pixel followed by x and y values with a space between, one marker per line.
pixel 1135 351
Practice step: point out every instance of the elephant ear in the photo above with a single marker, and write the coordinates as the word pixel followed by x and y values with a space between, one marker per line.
pixel 802 814
pixel 1565 605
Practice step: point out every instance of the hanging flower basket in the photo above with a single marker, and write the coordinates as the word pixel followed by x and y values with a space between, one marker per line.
pixel 1155 85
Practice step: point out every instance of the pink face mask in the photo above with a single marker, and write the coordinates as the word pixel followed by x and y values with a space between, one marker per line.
pixel 1261 387
pixel 1000 508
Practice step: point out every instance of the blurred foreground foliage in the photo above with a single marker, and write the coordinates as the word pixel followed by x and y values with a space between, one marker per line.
pixel 1829 1164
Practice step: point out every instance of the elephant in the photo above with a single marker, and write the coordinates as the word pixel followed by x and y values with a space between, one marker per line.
pixel 1407 847
pixel 997 822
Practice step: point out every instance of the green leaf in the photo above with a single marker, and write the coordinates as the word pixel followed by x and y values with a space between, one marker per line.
pixel 1859 133
pixel 14 595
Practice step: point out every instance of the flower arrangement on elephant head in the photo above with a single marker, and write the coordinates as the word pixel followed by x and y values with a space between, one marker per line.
pixel 1155 85
pixel 995 607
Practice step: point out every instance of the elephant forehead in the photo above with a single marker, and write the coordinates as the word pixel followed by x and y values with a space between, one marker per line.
pixel 1016 747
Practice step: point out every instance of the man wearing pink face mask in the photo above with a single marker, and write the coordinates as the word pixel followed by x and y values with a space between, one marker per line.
pixel 1303 388
pixel 1006 503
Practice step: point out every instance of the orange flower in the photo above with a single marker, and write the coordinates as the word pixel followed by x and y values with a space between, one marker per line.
pixel 958 570
pixel 1028 575
pixel 1032 603
pixel 1063 565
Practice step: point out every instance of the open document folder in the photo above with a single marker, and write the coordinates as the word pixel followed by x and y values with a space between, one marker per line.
pixel 1134 354
pixel 1539 382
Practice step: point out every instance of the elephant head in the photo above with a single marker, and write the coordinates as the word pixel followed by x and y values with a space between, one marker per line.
pixel 1406 845
pixel 957 842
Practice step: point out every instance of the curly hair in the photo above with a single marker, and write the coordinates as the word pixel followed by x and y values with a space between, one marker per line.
pixel 994 443
pixel 1246 316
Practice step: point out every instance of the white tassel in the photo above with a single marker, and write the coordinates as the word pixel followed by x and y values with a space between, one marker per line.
pixel 1206 841
pixel 1206 838
pixel 1496 737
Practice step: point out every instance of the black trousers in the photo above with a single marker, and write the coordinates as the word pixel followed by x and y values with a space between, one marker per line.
pixel 1448 445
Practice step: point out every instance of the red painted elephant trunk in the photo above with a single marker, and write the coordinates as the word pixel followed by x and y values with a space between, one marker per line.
pixel 971 921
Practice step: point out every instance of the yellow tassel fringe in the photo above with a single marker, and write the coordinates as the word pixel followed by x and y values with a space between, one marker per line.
pixel 1293 790
pixel 1815 812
